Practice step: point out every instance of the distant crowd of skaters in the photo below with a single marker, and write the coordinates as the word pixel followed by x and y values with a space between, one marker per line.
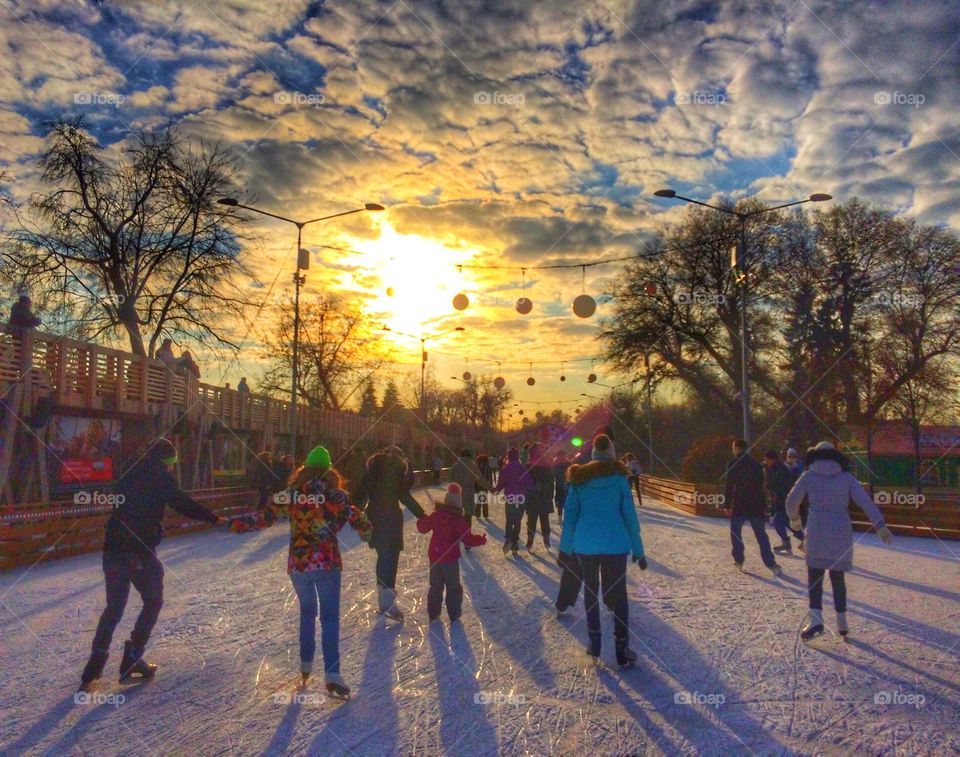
pixel 592 494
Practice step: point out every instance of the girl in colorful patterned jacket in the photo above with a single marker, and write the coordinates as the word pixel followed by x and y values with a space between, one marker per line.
pixel 318 508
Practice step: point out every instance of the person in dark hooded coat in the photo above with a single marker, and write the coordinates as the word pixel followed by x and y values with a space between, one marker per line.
pixel 383 487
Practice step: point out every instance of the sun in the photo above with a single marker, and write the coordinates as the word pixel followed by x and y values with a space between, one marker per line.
pixel 415 279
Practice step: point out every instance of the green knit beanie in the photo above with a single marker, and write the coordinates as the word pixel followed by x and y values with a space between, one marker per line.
pixel 319 457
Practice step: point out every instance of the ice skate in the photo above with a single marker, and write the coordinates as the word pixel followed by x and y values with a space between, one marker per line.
pixel 783 549
pixel 776 570
pixel 133 667
pixel 625 656
pixel 593 646
pixel 842 628
pixel 337 686
pixel 813 627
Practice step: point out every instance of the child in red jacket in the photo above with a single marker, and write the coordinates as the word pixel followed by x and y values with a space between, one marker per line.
pixel 449 528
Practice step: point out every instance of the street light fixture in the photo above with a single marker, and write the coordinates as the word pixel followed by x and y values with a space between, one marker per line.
pixel 740 261
pixel 423 358
pixel 303 263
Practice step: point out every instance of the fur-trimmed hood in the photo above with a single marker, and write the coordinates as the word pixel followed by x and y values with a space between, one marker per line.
pixel 582 474
pixel 813 455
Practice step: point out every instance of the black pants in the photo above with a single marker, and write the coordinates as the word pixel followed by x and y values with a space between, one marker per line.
pixel 559 498
pixel 482 499
pixel 815 588
pixel 635 482
pixel 570 580
pixel 145 572
pixel 436 477
pixel 610 571
pixel 445 576
pixel 387 561
pixel 532 518
pixel 514 519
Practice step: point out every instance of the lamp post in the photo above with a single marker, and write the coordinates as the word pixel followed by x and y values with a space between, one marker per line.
pixel 740 262
pixel 423 359
pixel 303 263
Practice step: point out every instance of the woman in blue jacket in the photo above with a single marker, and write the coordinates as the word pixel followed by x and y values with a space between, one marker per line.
pixel 600 527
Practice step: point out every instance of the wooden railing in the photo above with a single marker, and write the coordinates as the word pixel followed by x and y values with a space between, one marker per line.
pixel 934 518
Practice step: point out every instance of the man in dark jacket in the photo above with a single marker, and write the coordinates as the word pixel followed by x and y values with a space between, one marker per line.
pixel 744 498
pixel 134 530
pixel 383 487
pixel 22 317
pixel 779 480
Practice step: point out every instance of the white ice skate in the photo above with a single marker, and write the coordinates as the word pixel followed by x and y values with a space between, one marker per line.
pixel 842 628
pixel 813 627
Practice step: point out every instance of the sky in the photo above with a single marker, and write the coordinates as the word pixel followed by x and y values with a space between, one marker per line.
pixel 510 134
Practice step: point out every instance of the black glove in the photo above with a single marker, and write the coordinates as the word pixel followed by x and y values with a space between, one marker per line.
pixel 641 561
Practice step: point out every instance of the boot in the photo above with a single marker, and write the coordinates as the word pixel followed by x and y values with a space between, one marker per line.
pixel 842 628
pixel 625 656
pixel 784 548
pixel 306 668
pixel 93 669
pixel 337 686
pixel 506 547
pixel 133 666
pixel 593 648
pixel 814 625
pixel 390 600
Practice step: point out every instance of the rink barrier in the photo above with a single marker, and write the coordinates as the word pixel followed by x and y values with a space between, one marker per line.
pixel 935 518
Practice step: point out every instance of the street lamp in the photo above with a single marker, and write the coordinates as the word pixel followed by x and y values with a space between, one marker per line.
pixel 423 358
pixel 303 263
pixel 740 262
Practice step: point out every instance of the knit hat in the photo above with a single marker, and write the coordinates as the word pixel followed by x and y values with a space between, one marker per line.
pixel 453 497
pixel 163 449
pixel 319 457
pixel 791 452
pixel 603 448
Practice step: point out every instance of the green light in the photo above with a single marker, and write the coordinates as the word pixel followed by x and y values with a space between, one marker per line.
pixel 576 441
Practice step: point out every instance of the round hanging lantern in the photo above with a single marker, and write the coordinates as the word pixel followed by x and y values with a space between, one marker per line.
pixel 499 382
pixel 591 378
pixel 389 291
pixel 650 288
pixel 584 306
pixel 519 412
pixel 524 305
pixel 467 375
pixel 531 381
pixel 563 378
pixel 460 301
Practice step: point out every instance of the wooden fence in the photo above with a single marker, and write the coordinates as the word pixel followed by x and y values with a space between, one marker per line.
pixel 934 518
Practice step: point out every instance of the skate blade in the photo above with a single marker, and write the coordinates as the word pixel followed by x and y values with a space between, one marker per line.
pixel 337 693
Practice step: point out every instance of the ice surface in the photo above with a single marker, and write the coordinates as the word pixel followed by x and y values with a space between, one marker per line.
pixel 510 678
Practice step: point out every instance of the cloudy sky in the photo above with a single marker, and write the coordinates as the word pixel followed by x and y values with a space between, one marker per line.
pixel 502 133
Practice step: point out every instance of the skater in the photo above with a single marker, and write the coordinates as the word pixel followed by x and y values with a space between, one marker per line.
pixel 829 486
pixel 133 531
pixel 261 476
pixel 601 529
pixel 635 470
pixel 384 486
pixel 560 464
pixel 778 481
pixel 796 468
pixel 744 498
pixel 449 527
pixel 466 473
pixel 320 509
pixel 22 318
pixel 437 467
pixel 539 502
pixel 494 468
pixel 515 483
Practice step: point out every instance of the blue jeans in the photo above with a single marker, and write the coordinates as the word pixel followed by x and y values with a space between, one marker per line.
pixel 319 589
pixel 781 523
pixel 758 524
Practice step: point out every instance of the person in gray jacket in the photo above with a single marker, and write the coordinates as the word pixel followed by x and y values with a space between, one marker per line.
pixel 466 473
pixel 828 486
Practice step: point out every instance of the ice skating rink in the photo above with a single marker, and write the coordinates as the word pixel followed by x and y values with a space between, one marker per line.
pixel 720 672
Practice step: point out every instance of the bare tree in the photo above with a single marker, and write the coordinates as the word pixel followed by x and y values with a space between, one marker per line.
pixel 339 352
pixel 137 241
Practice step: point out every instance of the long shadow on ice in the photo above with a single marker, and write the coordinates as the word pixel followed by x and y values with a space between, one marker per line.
pixel 286 728
pixel 42 727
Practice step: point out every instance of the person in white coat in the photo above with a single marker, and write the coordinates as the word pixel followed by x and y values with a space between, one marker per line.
pixel 828 486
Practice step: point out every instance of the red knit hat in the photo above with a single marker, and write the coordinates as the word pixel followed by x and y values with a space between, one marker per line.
pixel 454 496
